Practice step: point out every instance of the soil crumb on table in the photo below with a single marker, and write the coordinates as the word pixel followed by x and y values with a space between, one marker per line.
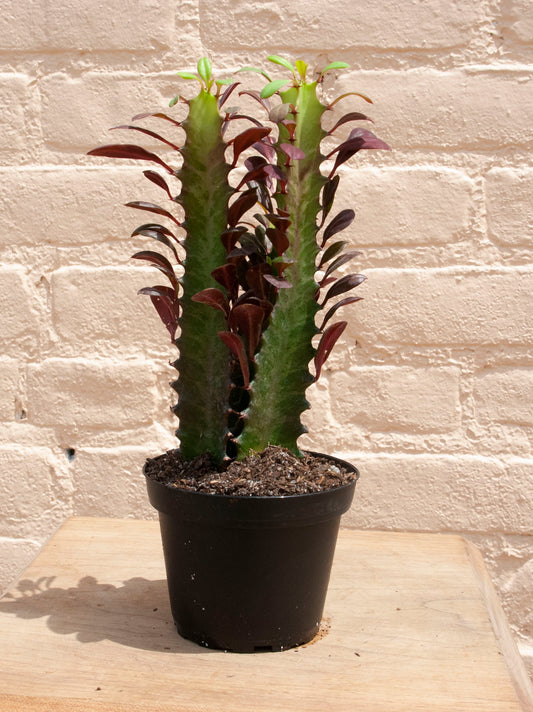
pixel 274 472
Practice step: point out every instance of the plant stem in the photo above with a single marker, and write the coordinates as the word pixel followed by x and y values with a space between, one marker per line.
pixel 282 373
pixel 203 363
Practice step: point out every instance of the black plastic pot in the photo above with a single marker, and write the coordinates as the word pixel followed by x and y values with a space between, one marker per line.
pixel 248 574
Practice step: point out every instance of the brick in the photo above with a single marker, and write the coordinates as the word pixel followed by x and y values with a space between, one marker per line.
pixel 9 376
pixel 34 500
pixel 109 482
pixel 459 109
pixel 445 307
pixel 84 25
pixel 434 493
pixel 15 555
pixel 88 204
pixel 408 206
pixel 78 112
pixel 520 20
pixel 505 396
pixel 397 398
pixel 114 318
pixel 110 25
pixel 310 26
pixel 509 215
pixel 76 395
pixel 22 25
pixel 14 98
pixel 18 324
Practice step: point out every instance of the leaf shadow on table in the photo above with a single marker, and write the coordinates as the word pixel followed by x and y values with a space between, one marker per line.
pixel 135 614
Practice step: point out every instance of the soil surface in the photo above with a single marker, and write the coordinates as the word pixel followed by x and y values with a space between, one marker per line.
pixel 273 472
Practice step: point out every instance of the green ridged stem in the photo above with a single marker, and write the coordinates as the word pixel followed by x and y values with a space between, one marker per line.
pixel 203 364
pixel 282 374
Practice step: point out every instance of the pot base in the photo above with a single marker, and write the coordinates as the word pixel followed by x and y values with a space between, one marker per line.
pixel 267 648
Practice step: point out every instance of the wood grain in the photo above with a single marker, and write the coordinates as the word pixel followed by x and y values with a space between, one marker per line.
pixel 413 624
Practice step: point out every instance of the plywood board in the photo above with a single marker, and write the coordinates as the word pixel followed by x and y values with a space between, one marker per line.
pixel 411 623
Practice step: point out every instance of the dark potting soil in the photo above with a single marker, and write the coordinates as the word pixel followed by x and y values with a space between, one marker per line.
pixel 275 471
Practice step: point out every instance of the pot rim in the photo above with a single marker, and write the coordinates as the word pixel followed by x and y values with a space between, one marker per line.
pixel 251 510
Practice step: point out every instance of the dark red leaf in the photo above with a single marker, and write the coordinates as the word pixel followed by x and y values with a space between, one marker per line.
pixel 155 227
pixel 227 93
pixel 246 139
pixel 167 306
pixel 235 345
pixel 350 93
pixel 281 221
pixel 341 260
pixel 278 282
pixel 263 197
pixel 257 174
pixel 260 172
pixel 369 139
pixel 338 305
pixel 345 151
pixel 161 262
pixel 231 237
pixel 253 162
pixel 266 149
pixel 279 240
pixel 323 283
pixel 160 237
pixel 293 152
pixel 276 172
pixel 162 291
pixel 357 140
pixel 282 266
pixel 327 342
pixel 156 114
pixel 257 96
pixel 352 116
pixel 290 125
pixel 152 208
pixel 331 252
pixel 226 275
pixel 129 151
pixel 159 181
pixel 255 281
pixel 328 196
pixel 230 116
pixel 344 284
pixel 147 132
pixel 240 206
pixel 248 319
pixel 214 298
pixel 249 298
pixel 339 222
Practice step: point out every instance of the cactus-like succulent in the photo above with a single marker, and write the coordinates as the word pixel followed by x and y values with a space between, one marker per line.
pixel 246 305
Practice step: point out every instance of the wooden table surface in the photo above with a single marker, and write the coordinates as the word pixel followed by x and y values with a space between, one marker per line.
pixel 411 623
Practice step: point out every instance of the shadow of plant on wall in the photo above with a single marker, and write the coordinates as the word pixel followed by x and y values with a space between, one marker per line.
pixel 135 614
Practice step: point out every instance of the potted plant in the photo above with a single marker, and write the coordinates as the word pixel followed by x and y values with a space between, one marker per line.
pixel 248 521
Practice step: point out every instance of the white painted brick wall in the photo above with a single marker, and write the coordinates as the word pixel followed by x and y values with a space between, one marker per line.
pixel 431 388
pixel 29 220
pixel 76 395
